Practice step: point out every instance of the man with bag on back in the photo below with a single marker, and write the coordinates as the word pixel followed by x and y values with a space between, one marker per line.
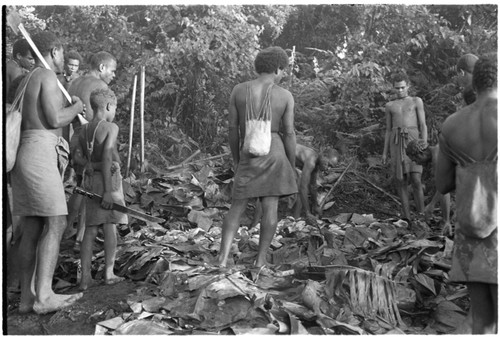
pixel 264 176
pixel 37 184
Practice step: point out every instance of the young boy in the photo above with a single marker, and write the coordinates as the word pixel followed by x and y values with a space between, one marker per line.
pixel 419 152
pixel 101 176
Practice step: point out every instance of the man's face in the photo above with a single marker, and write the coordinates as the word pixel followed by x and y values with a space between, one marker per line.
pixel 401 89
pixel 108 71
pixel 72 66
pixel 27 61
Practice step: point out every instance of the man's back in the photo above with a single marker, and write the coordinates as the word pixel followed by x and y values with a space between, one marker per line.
pixel 82 87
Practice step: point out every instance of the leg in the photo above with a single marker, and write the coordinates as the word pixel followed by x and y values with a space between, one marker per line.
pixel 429 209
pixel 110 254
pixel 258 213
pixel 33 227
pixel 445 210
pixel 402 186
pixel 267 228
pixel 13 244
pixel 74 204
pixel 418 191
pixel 48 252
pixel 86 256
pixel 81 222
pixel 230 226
pixel 483 307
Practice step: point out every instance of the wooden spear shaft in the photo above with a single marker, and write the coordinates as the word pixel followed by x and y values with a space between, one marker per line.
pixel 333 187
pixel 131 132
pixel 142 117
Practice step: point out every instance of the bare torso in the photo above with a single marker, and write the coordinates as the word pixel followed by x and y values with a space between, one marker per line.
pixel 404 112
pixel 82 87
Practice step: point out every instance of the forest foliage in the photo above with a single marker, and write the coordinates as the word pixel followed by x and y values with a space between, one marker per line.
pixel 343 56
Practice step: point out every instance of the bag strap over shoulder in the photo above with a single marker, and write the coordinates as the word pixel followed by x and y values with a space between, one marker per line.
pixel 18 101
pixel 90 144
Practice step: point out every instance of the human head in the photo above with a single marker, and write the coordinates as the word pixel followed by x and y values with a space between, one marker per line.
pixel 49 45
pixel 329 157
pixel 104 64
pixel 271 60
pixel 72 61
pixel 418 150
pixel 484 76
pixel 469 95
pixel 466 63
pixel 400 84
pixel 21 53
pixel 103 100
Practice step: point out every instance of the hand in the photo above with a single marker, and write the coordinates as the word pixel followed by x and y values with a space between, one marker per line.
pixel 88 169
pixel 384 159
pixel 77 102
pixel 107 201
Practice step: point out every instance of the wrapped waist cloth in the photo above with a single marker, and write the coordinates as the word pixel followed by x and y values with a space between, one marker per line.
pixel 37 177
pixel 269 175
pixel 96 215
pixel 400 162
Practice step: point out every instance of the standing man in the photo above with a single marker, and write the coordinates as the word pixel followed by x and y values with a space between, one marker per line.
pixel 37 179
pixel 405 121
pixel 101 73
pixel 269 176
pixel 22 62
pixel 72 62
pixel 467 163
pixel 465 65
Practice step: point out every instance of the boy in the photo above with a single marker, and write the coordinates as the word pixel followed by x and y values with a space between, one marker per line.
pixel 420 153
pixel 101 176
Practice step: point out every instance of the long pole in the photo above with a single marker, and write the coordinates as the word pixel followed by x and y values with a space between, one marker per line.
pixel 131 133
pixel 142 117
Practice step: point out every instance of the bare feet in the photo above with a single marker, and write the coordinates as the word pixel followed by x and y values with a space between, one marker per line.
pixel 85 284
pixel 55 302
pixel 26 303
pixel 113 280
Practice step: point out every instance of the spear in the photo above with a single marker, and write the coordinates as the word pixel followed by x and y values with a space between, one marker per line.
pixel 131 133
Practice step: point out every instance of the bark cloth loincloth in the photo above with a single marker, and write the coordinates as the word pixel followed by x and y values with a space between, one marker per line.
pixel 474 259
pixel 96 215
pixel 401 163
pixel 269 175
pixel 37 177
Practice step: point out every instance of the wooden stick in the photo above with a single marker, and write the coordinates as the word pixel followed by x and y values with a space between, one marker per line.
pixel 333 187
pixel 379 189
pixel 142 118
pixel 131 133
pixel 190 157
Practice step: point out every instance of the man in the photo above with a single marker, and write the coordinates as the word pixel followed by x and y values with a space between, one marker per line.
pixel 467 163
pixel 72 61
pixel 310 163
pixel 101 73
pixel 22 61
pixel 266 177
pixel 465 65
pixel 37 186
pixel 405 121
pixel 422 153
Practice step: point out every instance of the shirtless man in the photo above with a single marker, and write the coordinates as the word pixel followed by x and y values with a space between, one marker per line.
pixel 269 176
pixel 310 163
pixel 101 73
pixel 465 65
pixel 37 179
pixel 405 120
pixel 21 63
pixel 467 162
pixel 72 61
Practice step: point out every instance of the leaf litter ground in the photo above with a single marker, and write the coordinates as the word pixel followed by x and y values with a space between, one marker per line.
pixel 346 273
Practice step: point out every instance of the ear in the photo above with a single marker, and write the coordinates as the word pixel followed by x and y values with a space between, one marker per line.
pixel 53 52
pixel 107 106
pixel 101 67
pixel 276 71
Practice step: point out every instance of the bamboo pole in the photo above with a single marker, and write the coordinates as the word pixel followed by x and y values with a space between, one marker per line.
pixel 131 132
pixel 142 117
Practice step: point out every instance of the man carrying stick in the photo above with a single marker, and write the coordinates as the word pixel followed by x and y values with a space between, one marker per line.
pixel 37 185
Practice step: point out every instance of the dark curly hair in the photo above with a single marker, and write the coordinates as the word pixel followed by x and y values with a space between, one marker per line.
pixel 484 75
pixel 399 77
pixel 74 55
pixel 22 47
pixel 100 97
pixel 270 59
pixel 99 58
pixel 45 41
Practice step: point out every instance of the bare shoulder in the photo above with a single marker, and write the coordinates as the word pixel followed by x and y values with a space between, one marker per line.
pixel 282 92
pixel 417 100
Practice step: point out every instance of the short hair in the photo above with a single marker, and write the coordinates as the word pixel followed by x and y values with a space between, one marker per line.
pixel 467 62
pixel 469 95
pixel 100 97
pixel 45 41
pixel 399 77
pixel 270 59
pixel 22 47
pixel 74 55
pixel 484 75
pixel 99 58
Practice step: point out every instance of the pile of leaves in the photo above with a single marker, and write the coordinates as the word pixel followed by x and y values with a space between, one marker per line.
pixel 345 273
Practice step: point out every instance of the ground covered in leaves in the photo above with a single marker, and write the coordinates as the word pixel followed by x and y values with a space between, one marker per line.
pixel 355 270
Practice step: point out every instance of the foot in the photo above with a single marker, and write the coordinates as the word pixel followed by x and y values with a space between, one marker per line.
pixel 85 284
pixel 113 280
pixel 26 307
pixel 56 302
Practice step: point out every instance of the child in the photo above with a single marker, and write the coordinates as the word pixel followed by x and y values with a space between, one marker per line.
pixel 421 153
pixel 101 176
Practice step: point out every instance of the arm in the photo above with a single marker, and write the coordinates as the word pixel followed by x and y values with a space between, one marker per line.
pixel 56 116
pixel 106 162
pixel 234 129
pixel 289 140
pixel 307 178
pixel 388 129
pixel 422 126
pixel 445 170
